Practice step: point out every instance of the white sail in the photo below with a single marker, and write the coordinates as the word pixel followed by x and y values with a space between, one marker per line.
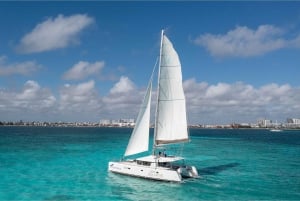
pixel 171 123
pixel 139 140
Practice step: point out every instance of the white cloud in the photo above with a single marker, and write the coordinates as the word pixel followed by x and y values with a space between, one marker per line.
pixel 124 99
pixel 206 103
pixel 54 33
pixel 226 103
pixel 217 90
pixel 33 102
pixel 80 102
pixel 217 103
pixel 244 42
pixel 78 95
pixel 83 100
pixel 124 85
pixel 83 69
pixel 22 68
pixel 74 102
pixel 30 91
pixel 32 99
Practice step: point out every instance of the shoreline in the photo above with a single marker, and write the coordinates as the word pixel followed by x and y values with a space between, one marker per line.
pixel 112 126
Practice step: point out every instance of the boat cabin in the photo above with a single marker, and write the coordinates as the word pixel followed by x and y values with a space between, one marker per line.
pixel 161 161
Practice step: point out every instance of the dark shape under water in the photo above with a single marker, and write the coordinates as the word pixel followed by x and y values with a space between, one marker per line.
pixel 216 169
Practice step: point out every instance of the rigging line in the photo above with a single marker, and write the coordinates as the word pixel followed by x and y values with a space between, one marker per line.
pixel 151 78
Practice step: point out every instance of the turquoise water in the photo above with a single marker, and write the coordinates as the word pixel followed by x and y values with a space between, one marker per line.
pixel 71 164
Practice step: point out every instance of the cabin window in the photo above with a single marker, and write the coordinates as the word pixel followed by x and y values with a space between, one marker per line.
pixel 144 163
pixel 164 164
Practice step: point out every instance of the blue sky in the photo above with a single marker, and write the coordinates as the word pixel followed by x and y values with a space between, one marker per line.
pixel 86 61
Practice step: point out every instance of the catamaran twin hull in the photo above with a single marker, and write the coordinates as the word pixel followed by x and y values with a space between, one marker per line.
pixel 170 125
pixel 162 171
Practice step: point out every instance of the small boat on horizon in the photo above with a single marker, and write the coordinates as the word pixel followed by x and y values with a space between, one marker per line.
pixel 276 130
pixel 170 126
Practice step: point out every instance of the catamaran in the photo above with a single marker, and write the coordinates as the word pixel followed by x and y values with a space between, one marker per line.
pixel 170 126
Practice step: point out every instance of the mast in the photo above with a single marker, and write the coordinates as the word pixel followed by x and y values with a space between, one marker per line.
pixel 156 111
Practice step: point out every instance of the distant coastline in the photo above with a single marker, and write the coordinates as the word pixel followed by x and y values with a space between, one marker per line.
pixel 131 125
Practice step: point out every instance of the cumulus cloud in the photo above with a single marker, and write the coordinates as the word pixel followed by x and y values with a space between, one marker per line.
pixel 54 33
pixel 74 102
pixel 213 103
pixel 22 68
pixel 124 85
pixel 32 99
pixel 240 102
pixel 83 69
pixel 245 42
pixel 206 103
pixel 124 99
pixel 78 102
pixel 82 97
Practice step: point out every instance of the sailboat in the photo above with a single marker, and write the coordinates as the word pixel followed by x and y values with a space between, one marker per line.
pixel 276 128
pixel 170 126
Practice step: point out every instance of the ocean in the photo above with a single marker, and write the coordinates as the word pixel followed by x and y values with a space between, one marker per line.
pixel 64 164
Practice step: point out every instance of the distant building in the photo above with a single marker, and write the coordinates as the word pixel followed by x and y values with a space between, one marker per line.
pixel 264 123
pixel 119 122
pixel 105 122
pixel 293 122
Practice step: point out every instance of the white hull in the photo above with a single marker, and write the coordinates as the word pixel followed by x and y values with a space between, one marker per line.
pixel 276 130
pixel 153 171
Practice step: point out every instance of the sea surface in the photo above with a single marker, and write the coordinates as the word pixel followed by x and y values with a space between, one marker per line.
pixel 53 164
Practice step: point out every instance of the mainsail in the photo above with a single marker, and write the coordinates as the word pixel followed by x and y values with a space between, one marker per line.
pixel 139 140
pixel 171 123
